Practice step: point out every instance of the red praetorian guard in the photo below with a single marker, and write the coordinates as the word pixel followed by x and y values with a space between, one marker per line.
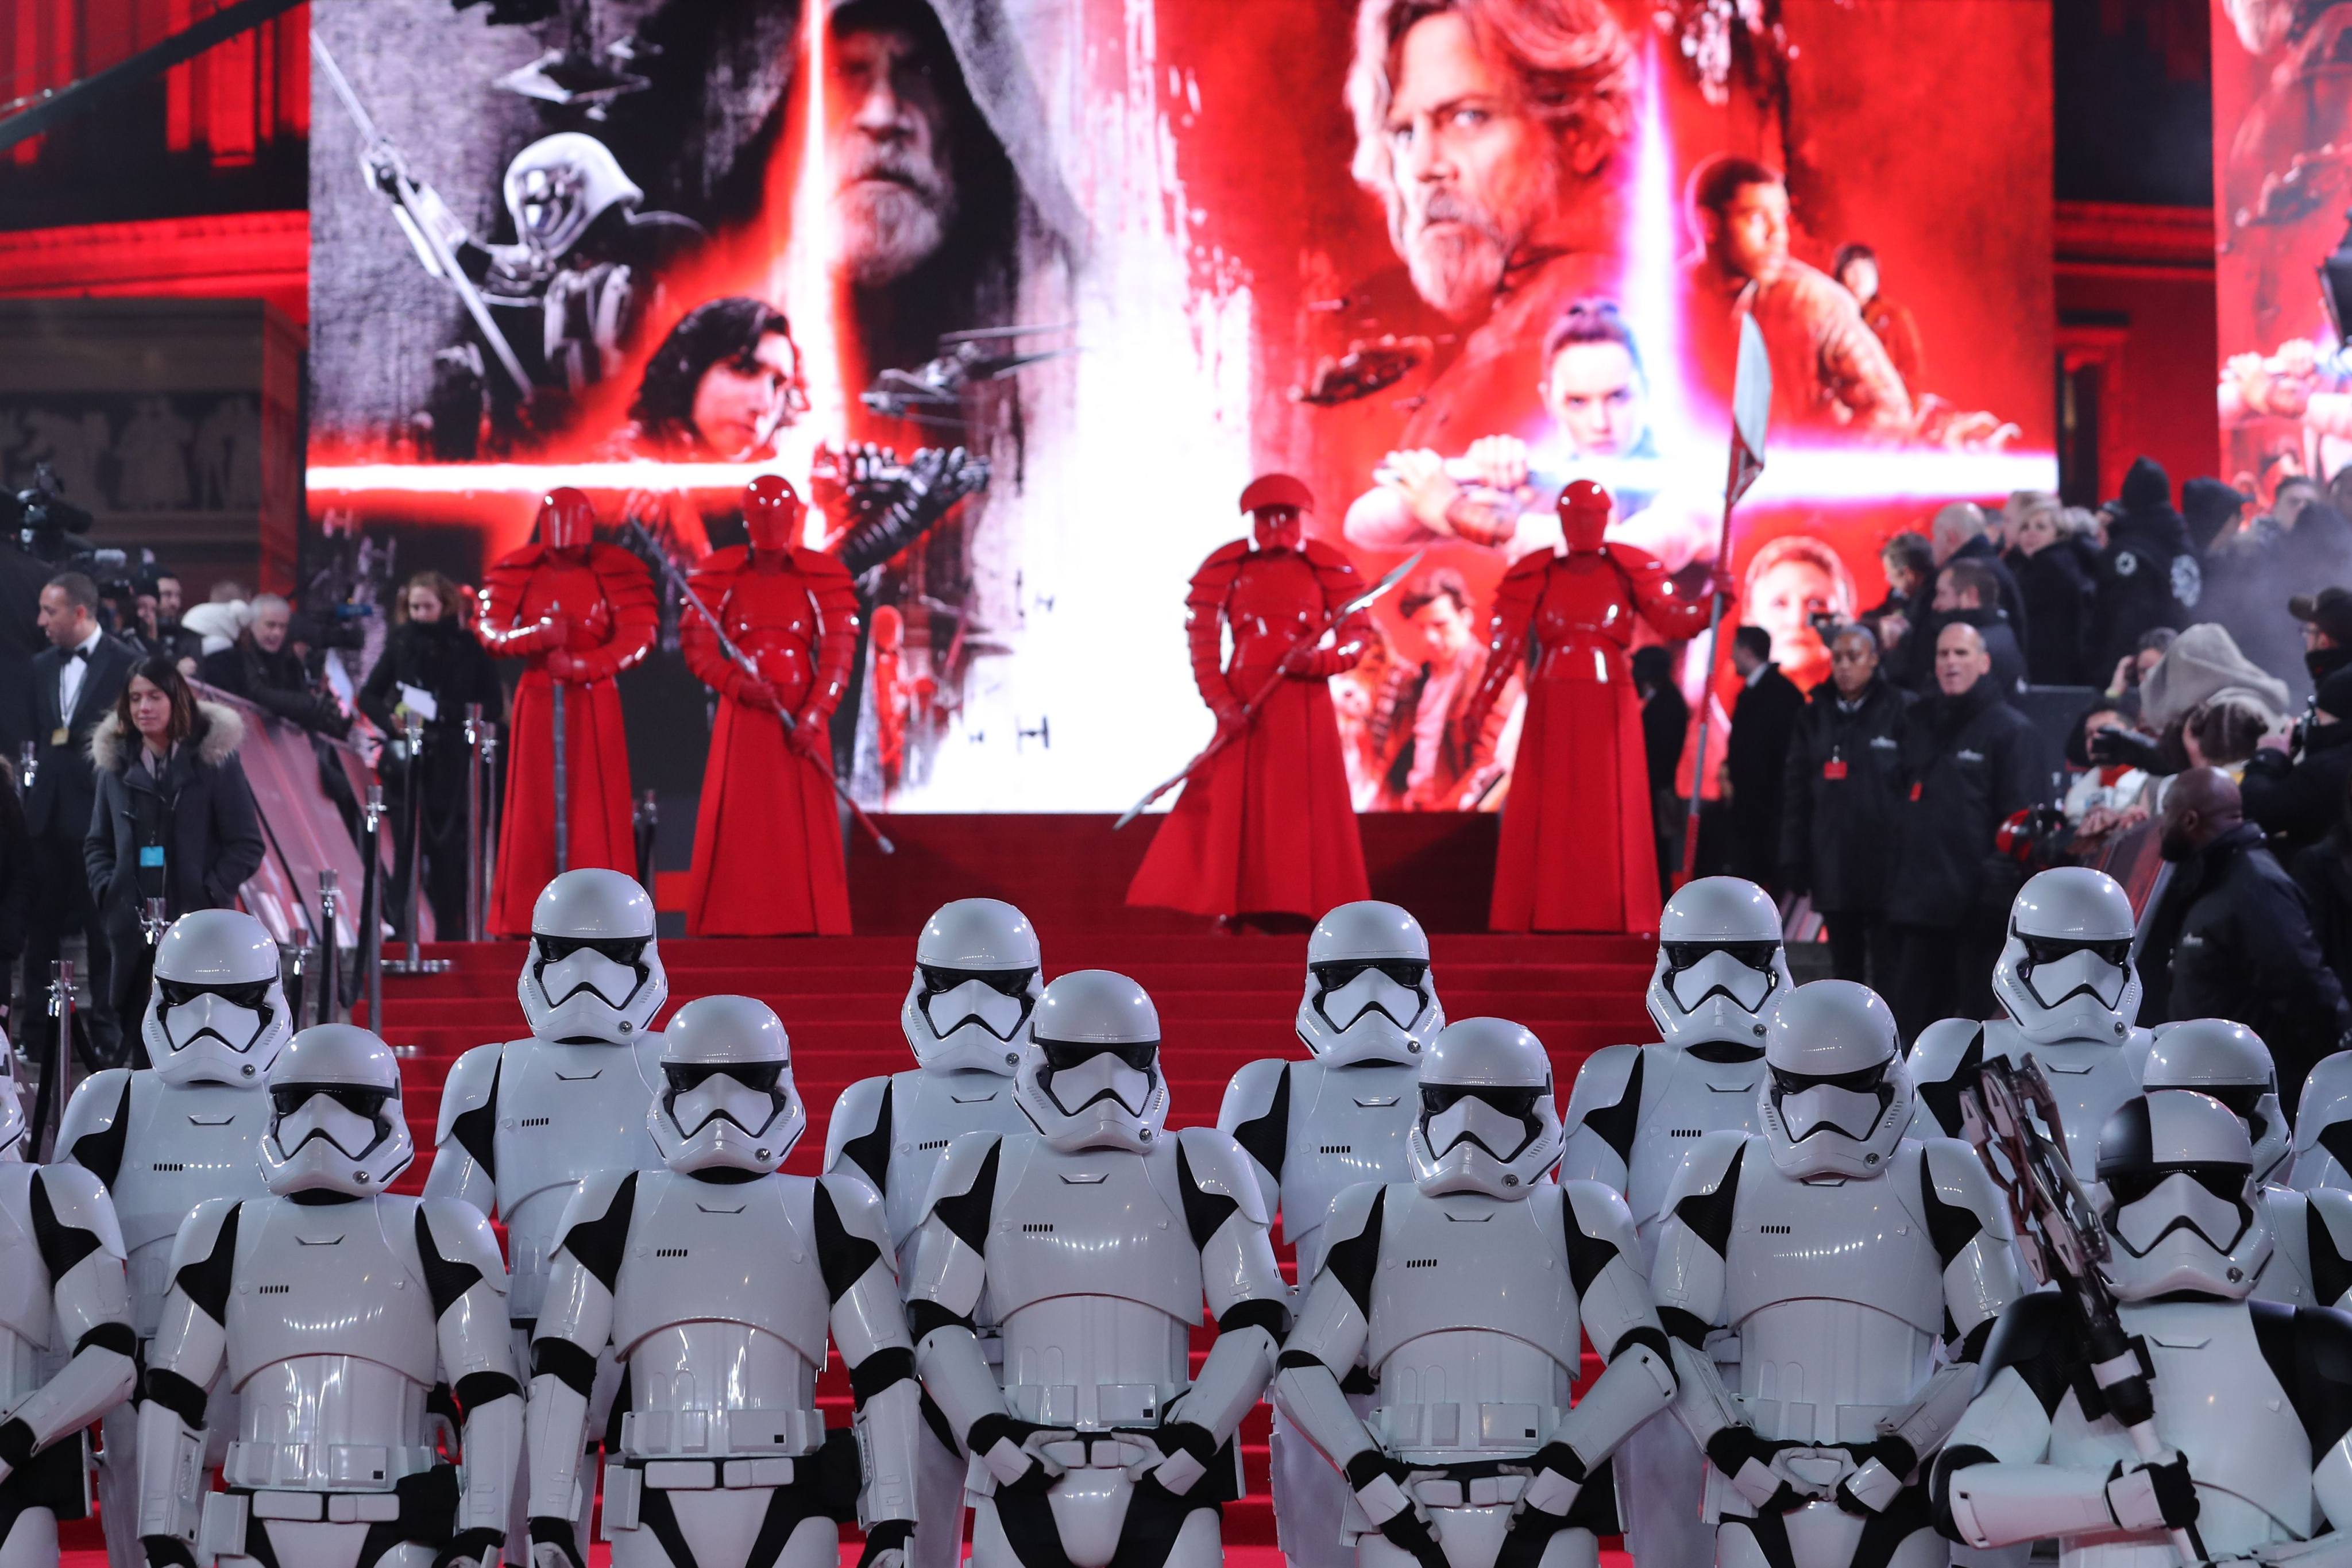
pixel 580 611
pixel 1578 851
pixel 767 841
pixel 1266 826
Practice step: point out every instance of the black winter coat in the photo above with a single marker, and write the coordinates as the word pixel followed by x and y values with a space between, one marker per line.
pixel 2012 596
pixel 1763 717
pixel 1969 763
pixel 2148 577
pixel 2058 609
pixel 442 657
pixel 1844 784
pixel 2232 938
pixel 200 815
pixel 277 684
pixel 2324 874
pixel 16 877
pixel 2295 803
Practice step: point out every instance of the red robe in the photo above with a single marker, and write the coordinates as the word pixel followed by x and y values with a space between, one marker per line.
pixel 607 602
pixel 1266 826
pixel 767 840
pixel 1578 851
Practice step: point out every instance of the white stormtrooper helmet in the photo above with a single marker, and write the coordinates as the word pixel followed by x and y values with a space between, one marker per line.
pixel 217 1013
pixel 976 982
pixel 1720 965
pixel 336 1123
pixel 2066 971
pixel 727 1102
pixel 559 185
pixel 2179 1197
pixel 1368 995
pixel 1487 1121
pixel 1836 1095
pixel 1091 1079
pixel 2230 1062
pixel 593 970
pixel 12 1109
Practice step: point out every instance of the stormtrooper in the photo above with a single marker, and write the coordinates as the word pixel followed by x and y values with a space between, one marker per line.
pixel 966 1015
pixel 1095 1238
pixel 1840 1253
pixel 1473 1454
pixel 2310 1264
pixel 166 1138
pixel 2251 1399
pixel 1634 1113
pixel 718 1281
pixel 521 1123
pixel 1314 1128
pixel 66 1352
pixel 333 1309
pixel 2066 980
pixel 2323 1127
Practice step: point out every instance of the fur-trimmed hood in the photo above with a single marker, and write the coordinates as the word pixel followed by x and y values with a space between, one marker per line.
pixel 219 732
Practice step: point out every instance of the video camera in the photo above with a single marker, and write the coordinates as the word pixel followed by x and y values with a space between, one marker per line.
pixel 42 519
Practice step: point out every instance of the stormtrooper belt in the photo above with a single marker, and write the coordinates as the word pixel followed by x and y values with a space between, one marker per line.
pixel 1448 1434
pixel 708 1435
pixel 310 1469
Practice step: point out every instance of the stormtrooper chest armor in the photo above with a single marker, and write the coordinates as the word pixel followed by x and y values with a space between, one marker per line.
pixel 331 1345
pixel 2285 1277
pixel 2091 1079
pixel 563 1111
pixel 1683 1097
pixel 720 1312
pixel 1836 1294
pixel 185 1144
pixel 27 1320
pixel 929 1110
pixel 1347 1125
pixel 1095 1280
pixel 1469 1372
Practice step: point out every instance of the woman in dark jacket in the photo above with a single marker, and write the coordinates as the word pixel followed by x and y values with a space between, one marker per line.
pixel 431 652
pixel 174 817
pixel 2056 589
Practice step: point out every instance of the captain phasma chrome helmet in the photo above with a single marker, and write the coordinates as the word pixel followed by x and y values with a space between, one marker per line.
pixel 559 185
pixel 2178 1196
pixel 1719 963
pixel 216 1012
pixel 727 1101
pixel 1091 1077
pixel 12 1109
pixel 335 1118
pixel 1368 995
pixel 1836 1095
pixel 1487 1121
pixel 594 971
pixel 2227 1061
pixel 976 982
pixel 2066 971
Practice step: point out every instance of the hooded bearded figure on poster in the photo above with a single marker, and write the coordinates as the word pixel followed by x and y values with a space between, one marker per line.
pixel 1578 851
pixel 767 841
pixel 1264 824
pixel 580 611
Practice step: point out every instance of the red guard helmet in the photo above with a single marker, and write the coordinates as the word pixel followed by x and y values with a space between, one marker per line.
pixel 1275 502
pixel 567 520
pixel 1584 509
pixel 771 512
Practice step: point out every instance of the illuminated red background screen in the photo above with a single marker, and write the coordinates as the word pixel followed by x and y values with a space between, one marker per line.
pixel 1162 190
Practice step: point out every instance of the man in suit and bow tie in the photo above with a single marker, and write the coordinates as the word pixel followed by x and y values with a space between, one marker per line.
pixel 76 680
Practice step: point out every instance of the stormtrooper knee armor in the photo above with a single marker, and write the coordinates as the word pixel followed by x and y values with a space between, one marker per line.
pixel 2066 981
pixel 2310 1263
pixel 1096 1237
pixel 166 1138
pixel 2251 1399
pixel 332 1309
pixel 720 1282
pixel 1636 1110
pixel 1473 1454
pixel 524 1122
pixel 1839 1252
pixel 66 1344
pixel 1314 1128
pixel 966 1019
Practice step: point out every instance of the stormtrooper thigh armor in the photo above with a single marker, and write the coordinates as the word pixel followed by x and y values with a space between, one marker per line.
pixel 1838 1251
pixel 1313 1129
pixel 966 1018
pixel 1096 1237
pixel 168 1138
pixel 1636 1110
pixel 332 1310
pixel 523 1123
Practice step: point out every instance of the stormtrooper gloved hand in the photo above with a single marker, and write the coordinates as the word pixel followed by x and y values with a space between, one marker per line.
pixel 2153 1495
pixel 1378 1483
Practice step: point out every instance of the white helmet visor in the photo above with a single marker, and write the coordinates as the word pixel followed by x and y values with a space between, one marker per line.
pixel 351 1120
pixel 2057 970
pixel 1347 990
pixel 1849 1103
pixel 2153 1201
pixel 747 1094
pixel 997 1000
pixel 1501 1121
pixel 1741 971
pixel 234 1015
pixel 609 968
pixel 1079 1073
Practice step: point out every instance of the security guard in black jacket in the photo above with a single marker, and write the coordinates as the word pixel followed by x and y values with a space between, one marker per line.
pixel 1838 801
